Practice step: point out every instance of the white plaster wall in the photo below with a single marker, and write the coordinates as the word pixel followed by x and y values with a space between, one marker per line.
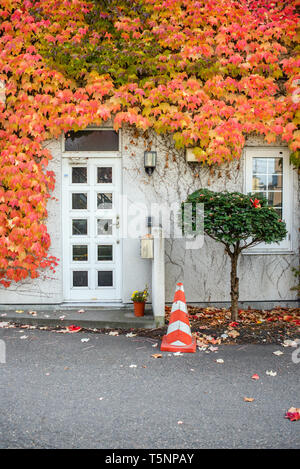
pixel 47 288
pixel 204 272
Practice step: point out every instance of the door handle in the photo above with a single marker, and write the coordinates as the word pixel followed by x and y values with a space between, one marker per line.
pixel 117 224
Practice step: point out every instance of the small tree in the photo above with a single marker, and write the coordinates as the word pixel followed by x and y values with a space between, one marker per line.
pixel 238 221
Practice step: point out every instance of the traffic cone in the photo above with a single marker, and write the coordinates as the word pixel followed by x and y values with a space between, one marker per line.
pixel 179 337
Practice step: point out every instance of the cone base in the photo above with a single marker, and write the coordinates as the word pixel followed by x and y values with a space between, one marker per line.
pixel 166 347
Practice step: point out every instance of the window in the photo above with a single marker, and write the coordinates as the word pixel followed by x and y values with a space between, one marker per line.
pixel 92 140
pixel 268 174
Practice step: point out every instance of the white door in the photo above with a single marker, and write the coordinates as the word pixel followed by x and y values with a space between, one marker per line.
pixel 91 225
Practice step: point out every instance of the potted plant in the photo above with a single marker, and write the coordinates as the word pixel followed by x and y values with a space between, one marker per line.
pixel 139 298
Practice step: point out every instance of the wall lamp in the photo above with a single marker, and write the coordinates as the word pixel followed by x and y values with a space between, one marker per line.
pixel 150 161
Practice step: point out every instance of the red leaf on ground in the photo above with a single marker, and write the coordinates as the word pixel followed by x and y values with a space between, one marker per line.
pixel 292 416
pixel 73 328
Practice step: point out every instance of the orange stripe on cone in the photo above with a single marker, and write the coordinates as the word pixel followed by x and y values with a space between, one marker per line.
pixel 179 315
pixel 179 337
pixel 179 296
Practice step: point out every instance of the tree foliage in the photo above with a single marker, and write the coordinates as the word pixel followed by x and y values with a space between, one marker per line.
pixel 236 220
pixel 207 72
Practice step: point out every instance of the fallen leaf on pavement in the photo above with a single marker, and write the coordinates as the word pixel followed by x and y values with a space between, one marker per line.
pixel 33 313
pixel 130 334
pixel 180 422
pixel 293 414
pixel 19 311
pixel 157 355
pixel 132 366
pixel 81 311
pixel 24 337
pixel 248 399
pixel 177 354
pixel 85 340
pixel 73 328
pixel 4 324
pixel 255 376
pixel 290 343
pixel 278 352
pixel 271 373
pixel 220 360
pixel 113 333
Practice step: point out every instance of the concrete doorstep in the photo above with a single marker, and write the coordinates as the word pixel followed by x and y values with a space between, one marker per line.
pixel 94 317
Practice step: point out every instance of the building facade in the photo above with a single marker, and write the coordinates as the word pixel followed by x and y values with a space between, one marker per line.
pixel 103 197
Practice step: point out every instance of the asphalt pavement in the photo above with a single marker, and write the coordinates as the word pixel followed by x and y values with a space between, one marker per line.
pixel 58 391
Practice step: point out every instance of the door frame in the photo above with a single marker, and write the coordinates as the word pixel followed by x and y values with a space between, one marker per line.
pixel 84 157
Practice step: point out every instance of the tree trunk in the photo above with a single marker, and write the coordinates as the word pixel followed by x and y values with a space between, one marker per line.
pixel 234 293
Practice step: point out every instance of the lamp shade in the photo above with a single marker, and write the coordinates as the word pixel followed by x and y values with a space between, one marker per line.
pixel 149 161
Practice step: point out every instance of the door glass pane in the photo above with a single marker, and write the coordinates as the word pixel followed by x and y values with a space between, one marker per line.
pixel 105 278
pixel 104 175
pixel 80 252
pixel 79 175
pixel 104 226
pixel 80 278
pixel 92 140
pixel 105 252
pixel 79 227
pixel 104 200
pixel 79 201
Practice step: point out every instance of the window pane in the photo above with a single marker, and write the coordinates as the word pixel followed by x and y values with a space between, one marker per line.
pixel 275 181
pixel 104 175
pixel 79 227
pixel 259 183
pixel 260 165
pixel 80 278
pixel 79 175
pixel 259 195
pixel 92 140
pixel 79 201
pixel 80 252
pixel 104 200
pixel 275 199
pixel 104 226
pixel 105 278
pixel 105 252
pixel 275 165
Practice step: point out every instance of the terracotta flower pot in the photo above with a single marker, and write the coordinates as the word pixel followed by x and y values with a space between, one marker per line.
pixel 139 308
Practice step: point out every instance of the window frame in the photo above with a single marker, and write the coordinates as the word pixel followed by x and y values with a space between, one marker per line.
pixel 284 246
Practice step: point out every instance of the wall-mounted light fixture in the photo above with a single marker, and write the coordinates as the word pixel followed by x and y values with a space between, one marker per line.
pixel 150 161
